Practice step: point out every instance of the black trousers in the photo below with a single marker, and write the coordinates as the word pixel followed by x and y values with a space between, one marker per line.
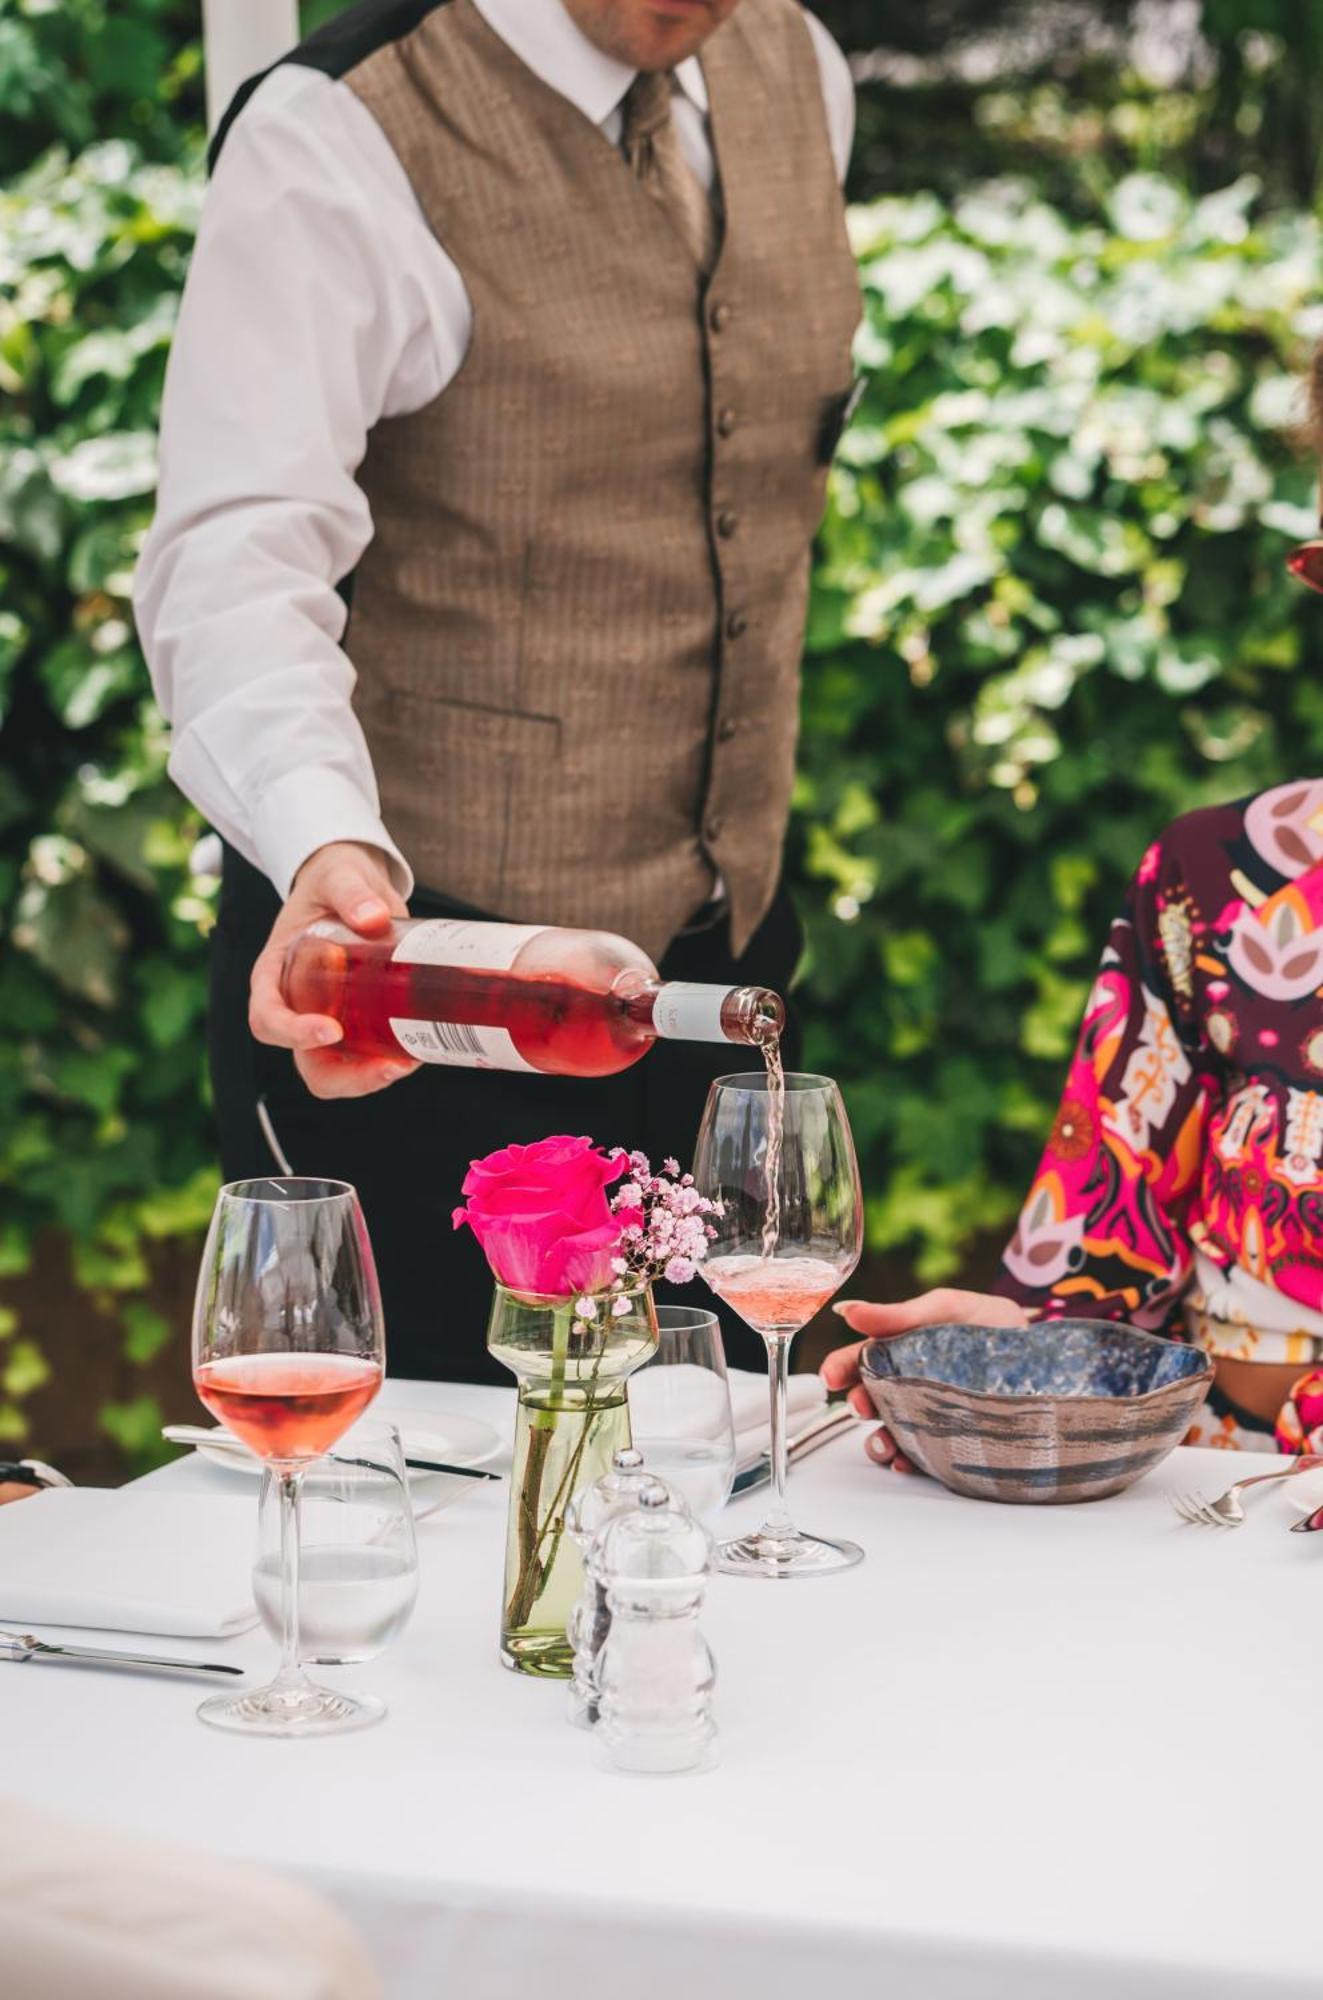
pixel 408 1148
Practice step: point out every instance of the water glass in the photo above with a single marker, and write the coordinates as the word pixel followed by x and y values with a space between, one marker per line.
pixel 358 1567
pixel 679 1410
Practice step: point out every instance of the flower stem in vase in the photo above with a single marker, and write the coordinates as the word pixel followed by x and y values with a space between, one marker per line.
pixel 533 1519
pixel 572 1418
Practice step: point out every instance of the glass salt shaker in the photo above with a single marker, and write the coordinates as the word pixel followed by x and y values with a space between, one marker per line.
pixel 655 1672
pixel 585 1518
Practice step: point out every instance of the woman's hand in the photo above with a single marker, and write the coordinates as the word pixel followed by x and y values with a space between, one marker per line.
pixel 877 1322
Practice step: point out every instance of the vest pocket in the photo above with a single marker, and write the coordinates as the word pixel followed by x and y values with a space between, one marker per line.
pixel 436 727
pixel 452 777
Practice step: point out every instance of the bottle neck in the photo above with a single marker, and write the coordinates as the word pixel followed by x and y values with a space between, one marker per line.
pixel 683 1011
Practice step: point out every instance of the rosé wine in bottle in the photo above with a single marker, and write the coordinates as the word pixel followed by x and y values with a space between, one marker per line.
pixel 288 1407
pixel 511 996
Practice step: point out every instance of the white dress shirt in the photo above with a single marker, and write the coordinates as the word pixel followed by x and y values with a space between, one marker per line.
pixel 319 302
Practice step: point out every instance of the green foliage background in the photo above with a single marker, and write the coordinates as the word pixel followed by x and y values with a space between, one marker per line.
pixel 1049 613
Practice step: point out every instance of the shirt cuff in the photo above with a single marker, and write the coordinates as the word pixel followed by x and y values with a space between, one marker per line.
pixel 306 810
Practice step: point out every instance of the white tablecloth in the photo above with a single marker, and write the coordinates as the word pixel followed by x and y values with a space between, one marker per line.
pixel 1020 1753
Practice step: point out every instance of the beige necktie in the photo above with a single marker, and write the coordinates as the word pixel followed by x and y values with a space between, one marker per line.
pixel 652 147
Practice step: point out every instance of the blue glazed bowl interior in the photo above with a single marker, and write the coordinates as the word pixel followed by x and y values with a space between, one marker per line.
pixel 1070 1357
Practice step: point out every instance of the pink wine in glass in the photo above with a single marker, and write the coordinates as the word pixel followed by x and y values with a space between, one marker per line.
pixel 288 1407
pixel 774 1295
pixel 511 996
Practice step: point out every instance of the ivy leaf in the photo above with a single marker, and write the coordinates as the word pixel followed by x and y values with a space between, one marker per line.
pixel 32 516
pixel 92 1077
pixel 1100 543
pixel 24 1368
pixel 173 1000
pixel 146 1332
pixel 81 685
pixel 136 1428
pixel 118 466
pixel 76 934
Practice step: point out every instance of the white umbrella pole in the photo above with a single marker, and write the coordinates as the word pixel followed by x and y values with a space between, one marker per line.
pixel 240 37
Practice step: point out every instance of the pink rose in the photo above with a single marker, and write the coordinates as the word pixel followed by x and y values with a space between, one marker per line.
pixel 542 1217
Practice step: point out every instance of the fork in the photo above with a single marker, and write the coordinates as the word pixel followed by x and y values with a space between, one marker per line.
pixel 1226 1511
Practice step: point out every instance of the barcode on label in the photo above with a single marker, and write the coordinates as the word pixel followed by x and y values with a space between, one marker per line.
pixel 459 1044
pixel 458 1040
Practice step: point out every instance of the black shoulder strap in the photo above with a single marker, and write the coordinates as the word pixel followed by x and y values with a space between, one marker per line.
pixel 337 47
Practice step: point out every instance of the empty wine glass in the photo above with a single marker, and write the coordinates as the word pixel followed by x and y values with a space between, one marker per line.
pixel 679 1410
pixel 288 1349
pixel 777 1153
pixel 358 1554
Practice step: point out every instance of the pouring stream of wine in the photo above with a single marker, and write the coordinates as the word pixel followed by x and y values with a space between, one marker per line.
pixel 776 1112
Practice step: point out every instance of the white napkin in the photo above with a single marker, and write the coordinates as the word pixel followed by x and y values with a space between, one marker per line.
pixel 687 1401
pixel 137 1560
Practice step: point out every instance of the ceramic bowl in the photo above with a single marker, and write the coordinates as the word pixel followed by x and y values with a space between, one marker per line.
pixel 1060 1410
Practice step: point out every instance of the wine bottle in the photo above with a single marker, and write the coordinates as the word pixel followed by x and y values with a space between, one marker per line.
pixel 511 996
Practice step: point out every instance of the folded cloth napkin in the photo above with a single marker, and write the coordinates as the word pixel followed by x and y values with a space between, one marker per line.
pixel 687 1401
pixel 137 1560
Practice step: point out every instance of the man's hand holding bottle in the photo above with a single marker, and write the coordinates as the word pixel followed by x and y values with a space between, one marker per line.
pixel 344 882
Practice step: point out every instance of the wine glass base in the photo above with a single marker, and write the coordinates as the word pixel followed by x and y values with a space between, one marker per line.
pixel 791 1555
pixel 306 1710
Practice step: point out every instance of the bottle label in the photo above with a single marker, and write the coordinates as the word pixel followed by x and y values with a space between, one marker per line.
pixel 484 947
pixel 690 1013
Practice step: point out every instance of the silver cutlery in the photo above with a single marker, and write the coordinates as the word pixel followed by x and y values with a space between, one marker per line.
pixel 196 1434
pixel 1226 1511
pixel 24 1646
pixel 419 1465
pixel 223 1440
pixel 1310 1525
pixel 836 1418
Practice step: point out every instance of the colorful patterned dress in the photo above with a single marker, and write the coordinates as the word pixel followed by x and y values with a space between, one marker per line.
pixel 1182 1185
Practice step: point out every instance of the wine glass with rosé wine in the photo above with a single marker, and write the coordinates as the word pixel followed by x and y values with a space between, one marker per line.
pixel 289 1349
pixel 777 1154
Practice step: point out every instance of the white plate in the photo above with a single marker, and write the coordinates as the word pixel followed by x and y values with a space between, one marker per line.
pixel 1303 1491
pixel 431 1434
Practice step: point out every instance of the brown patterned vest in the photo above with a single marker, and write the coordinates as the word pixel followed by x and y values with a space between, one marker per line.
pixel 577 631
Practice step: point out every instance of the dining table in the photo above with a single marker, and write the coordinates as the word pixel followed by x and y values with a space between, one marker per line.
pixel 1020 1753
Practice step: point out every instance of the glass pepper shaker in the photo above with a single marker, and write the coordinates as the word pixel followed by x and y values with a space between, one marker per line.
pixel 585 1518
pixel 655 1673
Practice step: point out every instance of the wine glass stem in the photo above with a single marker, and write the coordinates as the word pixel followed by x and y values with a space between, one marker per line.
pixel 290 1670
pixel 778 1522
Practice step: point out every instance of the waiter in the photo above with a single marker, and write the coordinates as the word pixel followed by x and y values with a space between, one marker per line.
pixel 513 353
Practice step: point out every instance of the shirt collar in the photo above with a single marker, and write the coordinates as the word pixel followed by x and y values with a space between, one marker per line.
pixel 550 43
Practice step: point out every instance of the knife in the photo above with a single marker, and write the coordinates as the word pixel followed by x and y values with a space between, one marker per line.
pixel 24 1646
pixel 419 1465
pixel 223 1440
pixel 839 1417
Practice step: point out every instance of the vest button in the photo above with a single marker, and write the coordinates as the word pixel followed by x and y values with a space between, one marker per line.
pixel 727 522
pixel 727 729
pixel 725 423
pixel 736 625
pixel 719 316
pixel 712 830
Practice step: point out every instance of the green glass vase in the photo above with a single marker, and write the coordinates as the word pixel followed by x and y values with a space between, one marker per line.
pixel 572 1416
